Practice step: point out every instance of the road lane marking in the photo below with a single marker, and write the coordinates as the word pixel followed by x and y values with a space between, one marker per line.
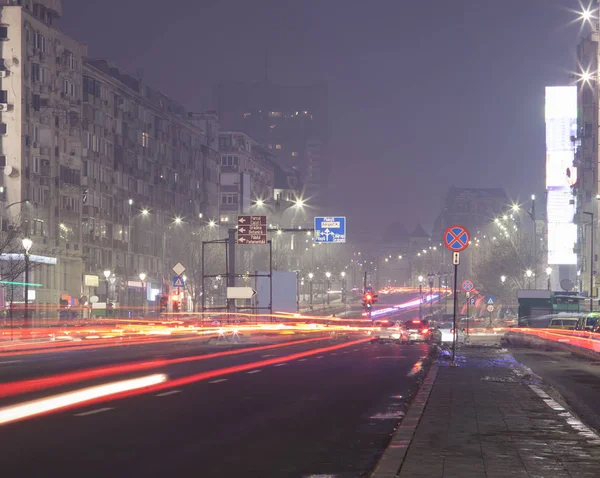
pixel 280 364
pixel 333 353
pixel 10 361
pixel 320 356
pixel 345 352
pixel 301 360
pixel 93 412
pixel 354 350
pixel 219 380
pixel 254 371
pixel 165 394
pixel 268 355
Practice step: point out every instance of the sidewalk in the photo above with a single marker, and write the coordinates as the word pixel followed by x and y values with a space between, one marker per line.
pixel 489 417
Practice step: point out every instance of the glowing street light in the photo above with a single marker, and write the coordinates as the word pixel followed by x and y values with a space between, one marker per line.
pixel 503 279
pixel 145 212
pixel 548 272
pixel 178 220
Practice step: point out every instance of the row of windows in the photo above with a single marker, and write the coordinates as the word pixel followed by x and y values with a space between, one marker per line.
pixel 230 161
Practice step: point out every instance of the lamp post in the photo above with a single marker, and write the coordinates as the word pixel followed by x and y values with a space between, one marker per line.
pixel 343 274
pixel 431 278
pixel 535 260
pixel 591 214
pixel 421 297
pixel 548 273
pixel 310 287
pixel 528 274
pixel 27 243
pixel 106 276
pixel 328 275
pixel 142 279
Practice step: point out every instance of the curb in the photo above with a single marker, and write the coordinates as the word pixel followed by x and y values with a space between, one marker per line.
pixel 393 457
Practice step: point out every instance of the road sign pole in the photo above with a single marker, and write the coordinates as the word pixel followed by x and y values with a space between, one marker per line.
pixel 455 313
pixel 202 289
pixel 231 268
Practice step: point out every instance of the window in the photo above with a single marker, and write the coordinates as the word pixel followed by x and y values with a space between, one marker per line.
pixel 35 100
pixel 36 133
pixel 145 140
pixel 69 89
pixel 72 61
pixel 3 32
pixel 95 144
pixel 274 113
pixel 277 146
pixel 40 42
pixel 35 72
pixel 229 199
pixel 44 76
pixel 36 164
pixel 3 128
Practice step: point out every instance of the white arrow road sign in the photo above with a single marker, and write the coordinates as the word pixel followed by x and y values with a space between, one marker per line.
pixel 240 292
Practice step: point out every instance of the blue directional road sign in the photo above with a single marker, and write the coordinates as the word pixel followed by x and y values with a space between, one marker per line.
pixel 472 301
pixel 330 229
pixel 490 300
pixel 178 281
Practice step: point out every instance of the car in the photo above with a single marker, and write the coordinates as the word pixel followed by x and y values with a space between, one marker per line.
pixel 588 323
pixel 418 330
pixel 445 334
pixel 567 323
pixel 391 332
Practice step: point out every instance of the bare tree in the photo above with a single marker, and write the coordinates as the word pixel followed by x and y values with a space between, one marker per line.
pixel 505 253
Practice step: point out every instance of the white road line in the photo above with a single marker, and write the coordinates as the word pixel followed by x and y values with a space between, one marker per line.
pixel 268 355
pixel 354 350
pixel 219 380
pixel 302 360
pixel 320 356
pixel 345 352
pixel 254 371
pixel 334 353
pixel 93 412
pixel 166 394
pixel 10 361
pixel 280 364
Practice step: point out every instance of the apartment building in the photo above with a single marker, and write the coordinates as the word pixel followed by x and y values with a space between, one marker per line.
pixel 148 176
pixel 247 174
pixel 40 142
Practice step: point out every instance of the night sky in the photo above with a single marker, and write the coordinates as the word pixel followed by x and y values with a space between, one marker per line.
pixel 424 94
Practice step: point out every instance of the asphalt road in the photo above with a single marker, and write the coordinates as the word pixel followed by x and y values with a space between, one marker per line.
pixel 576 379
pixel 328 413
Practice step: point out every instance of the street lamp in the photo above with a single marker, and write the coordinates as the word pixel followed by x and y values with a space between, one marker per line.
pixel 27 243
pixel 528 274
pixel 548 272
pixel 591 214
pixel 310 287
pixel 503 279
pixel 328 275
pixel 142 278
pixel 421 297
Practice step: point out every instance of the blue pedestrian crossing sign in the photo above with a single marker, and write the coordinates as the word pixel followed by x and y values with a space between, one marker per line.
pixel 178 281
pixel 490 300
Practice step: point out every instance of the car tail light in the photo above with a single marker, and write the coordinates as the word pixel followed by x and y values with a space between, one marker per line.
pixel 424 331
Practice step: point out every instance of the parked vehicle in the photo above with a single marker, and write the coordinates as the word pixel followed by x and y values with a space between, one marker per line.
pixel 445 332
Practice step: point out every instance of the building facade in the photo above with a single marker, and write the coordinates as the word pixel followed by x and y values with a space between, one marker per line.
pixel 292 122
pixel 149 177
pixel 247 174
pixel 40 114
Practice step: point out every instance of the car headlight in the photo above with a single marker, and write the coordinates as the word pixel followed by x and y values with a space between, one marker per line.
pixel 395 336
